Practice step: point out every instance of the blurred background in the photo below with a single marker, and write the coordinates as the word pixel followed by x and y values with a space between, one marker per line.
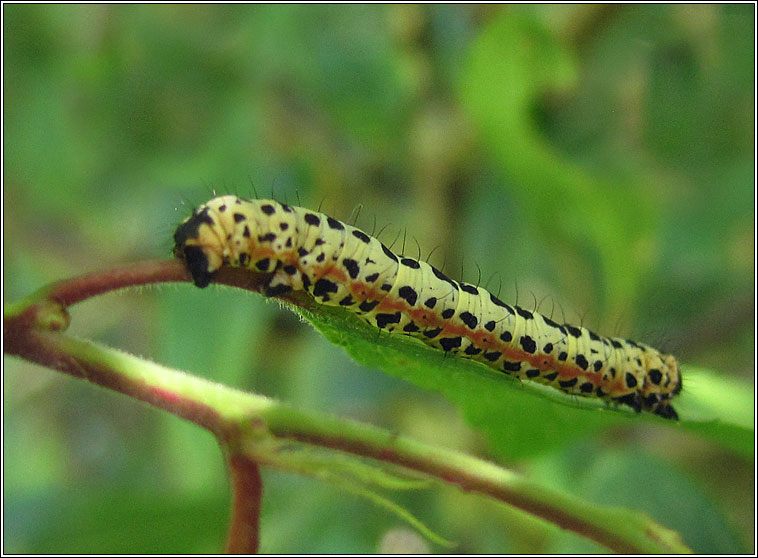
pixel 595 162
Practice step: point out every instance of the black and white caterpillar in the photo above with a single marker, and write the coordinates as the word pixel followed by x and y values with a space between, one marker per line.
pixel 340 265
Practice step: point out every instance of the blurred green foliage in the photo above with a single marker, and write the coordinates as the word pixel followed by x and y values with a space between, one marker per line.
pixel 593 161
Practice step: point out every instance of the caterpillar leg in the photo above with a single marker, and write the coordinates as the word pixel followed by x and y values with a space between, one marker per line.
pixel 666 411
pixel 654 404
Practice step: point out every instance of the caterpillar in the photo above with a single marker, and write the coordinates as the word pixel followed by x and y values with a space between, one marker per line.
pixel 340 265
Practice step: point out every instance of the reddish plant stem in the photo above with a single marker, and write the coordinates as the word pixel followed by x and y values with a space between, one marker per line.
pixel 247 486
pixel 71 291
pixel 461 478
pixel 48 349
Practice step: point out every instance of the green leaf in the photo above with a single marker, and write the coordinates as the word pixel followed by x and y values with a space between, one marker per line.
pixel 352 474
pixel 318 463
pixel 719 407
pixel 524 418
pixel 389 505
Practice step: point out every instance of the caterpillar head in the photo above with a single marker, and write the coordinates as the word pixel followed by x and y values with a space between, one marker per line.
pixel 200 241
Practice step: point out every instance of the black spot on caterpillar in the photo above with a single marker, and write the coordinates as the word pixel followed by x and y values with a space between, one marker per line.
pixel 340 265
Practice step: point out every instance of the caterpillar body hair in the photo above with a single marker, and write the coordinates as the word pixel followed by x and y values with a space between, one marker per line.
pixel 340 265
